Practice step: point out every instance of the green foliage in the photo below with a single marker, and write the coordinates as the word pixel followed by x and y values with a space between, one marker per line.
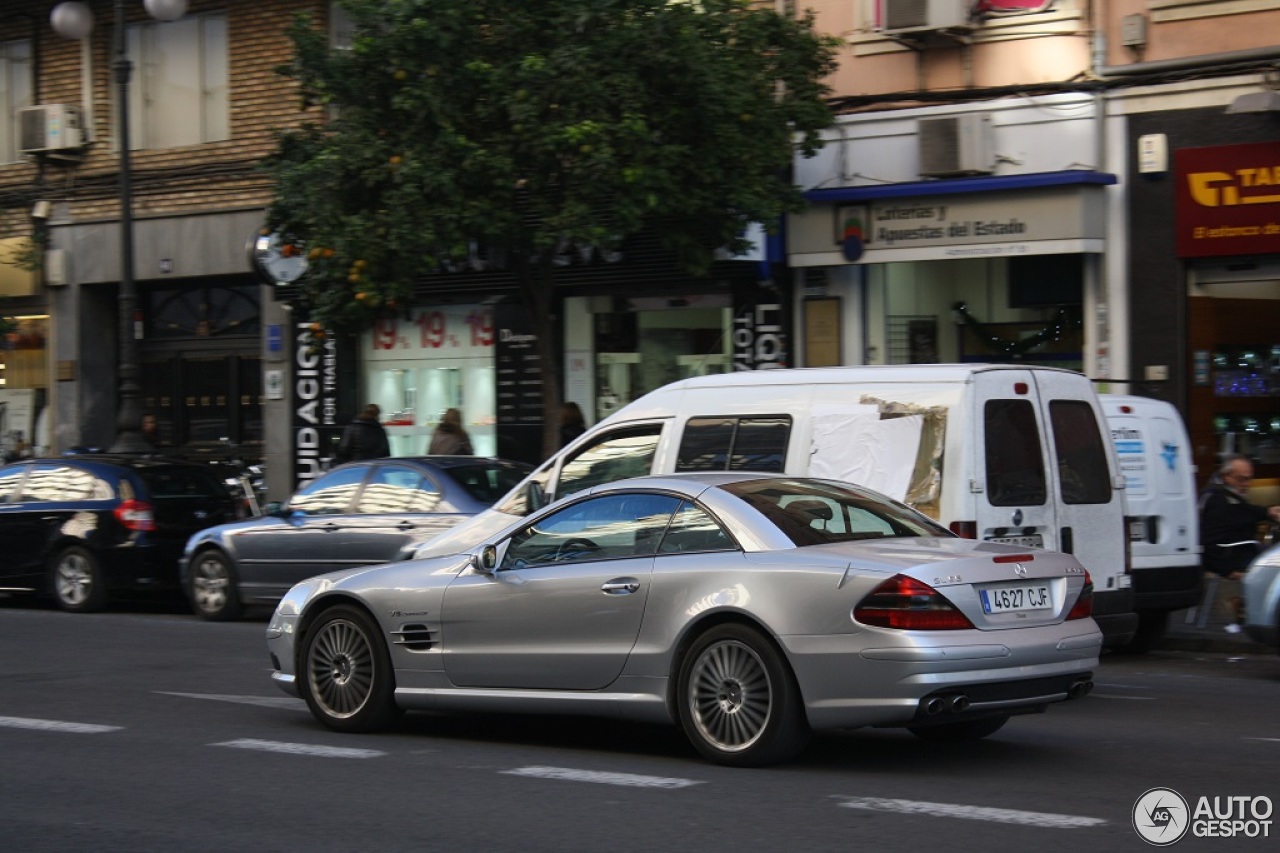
pixel 515 125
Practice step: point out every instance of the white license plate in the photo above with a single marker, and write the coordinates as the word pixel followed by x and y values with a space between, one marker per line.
pixel 1017 598
pixel 1033 541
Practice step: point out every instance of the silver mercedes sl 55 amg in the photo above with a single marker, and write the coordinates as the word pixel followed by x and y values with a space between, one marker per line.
pixel 750 609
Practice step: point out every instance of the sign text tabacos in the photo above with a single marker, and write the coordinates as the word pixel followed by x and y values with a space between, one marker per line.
pixel 1227 200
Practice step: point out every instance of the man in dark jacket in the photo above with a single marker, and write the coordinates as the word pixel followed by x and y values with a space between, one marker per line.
pixel 364 437
pixel 1229 534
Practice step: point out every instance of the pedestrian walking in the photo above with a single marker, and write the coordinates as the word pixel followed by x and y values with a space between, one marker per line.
pixel 364 437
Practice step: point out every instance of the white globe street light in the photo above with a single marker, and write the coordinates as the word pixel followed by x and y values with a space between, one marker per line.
pixel 74 20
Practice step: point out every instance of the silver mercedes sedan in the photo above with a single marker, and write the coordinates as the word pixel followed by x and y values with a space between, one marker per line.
pixel 749 609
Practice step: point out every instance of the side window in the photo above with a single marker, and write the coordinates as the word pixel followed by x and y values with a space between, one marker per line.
pixel 331 494
pixel 734 444
pixel 607 527
pixel 692 530
pixel 10 479
pixel 1082 457
pixel 397 488
pixel 623 453
pixel 55 482
pixel 1015 459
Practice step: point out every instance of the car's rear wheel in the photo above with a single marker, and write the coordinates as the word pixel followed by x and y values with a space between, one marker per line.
pixel 213 587
pixel 962 731
pixel 738 700
pixel 77 581
pixel 346 674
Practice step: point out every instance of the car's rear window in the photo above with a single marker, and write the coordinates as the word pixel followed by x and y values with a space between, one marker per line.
pixel 487 483
pixel 181 482
pixel 818 512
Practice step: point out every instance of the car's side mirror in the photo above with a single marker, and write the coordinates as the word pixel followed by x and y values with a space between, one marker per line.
pixel 486 560
pixel 274 508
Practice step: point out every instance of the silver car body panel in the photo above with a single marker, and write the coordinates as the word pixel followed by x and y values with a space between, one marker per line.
pixel 463 639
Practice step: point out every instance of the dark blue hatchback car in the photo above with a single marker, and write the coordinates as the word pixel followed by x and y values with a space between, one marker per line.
pixel 82 528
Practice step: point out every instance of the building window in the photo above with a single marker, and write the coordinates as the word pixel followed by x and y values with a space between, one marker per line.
pixel 15 93
pixel 179 94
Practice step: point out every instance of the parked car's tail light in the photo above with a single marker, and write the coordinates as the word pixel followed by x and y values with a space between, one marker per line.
pixel 910 605
pixel 965 529
pixel 136 515
pixel 1083 608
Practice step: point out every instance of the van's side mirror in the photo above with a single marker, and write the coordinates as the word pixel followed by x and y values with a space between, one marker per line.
pixel 486 560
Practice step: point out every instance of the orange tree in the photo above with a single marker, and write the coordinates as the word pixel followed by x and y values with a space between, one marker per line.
pixel 518 125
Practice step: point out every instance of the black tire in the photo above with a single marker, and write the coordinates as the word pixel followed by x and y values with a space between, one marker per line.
pixel 1152 625
pixel 345 672
pixel 962 731
pixel 738 701
pixel 213 587
pixel 75 576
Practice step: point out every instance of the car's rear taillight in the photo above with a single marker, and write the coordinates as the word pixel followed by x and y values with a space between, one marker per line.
pixel 1083 608
pixel 136 515
pixel 909 605
pixel 965 529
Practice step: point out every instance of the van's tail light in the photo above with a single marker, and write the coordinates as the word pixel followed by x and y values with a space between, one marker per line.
pixel 136 515
pixel 1083 608
pixel 965 529
pixel 909 605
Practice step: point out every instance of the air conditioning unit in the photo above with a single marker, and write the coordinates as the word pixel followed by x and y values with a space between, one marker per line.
pixel 921 17
pixel 50 128
pixel 955 145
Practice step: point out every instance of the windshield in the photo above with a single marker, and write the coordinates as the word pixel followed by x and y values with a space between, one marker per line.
pixel 818 512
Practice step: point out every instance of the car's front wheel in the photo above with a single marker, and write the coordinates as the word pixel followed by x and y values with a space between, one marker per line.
pixel 738 701
pixel 212 587
pixel 345 672
pixel 77 581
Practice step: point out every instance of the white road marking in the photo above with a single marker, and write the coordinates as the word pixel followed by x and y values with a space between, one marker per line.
pixel 300 748
pixel 1042 819
pixel 261 701
pixel 1267 739
pixel 56 726
pixel 568 774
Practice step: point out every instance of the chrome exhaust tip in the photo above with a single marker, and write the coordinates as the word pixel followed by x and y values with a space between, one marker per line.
pixel 959 704
pixel 935 706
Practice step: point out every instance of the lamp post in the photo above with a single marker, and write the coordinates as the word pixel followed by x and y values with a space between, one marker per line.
pixel 74 20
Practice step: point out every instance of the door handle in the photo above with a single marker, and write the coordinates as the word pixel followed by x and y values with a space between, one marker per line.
pixel 620 586
pixel 330 527
pixel 406 525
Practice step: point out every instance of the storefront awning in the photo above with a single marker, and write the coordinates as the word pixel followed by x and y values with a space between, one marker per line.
pixel 957 186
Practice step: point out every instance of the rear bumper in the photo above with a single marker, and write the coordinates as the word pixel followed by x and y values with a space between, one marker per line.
pixel 1114 612
pixel 1168 587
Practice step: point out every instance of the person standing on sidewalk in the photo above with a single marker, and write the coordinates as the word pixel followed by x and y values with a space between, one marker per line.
pixel 1229 530
pixel 364 437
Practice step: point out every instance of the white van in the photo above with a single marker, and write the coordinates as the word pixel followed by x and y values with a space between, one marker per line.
pixel 1154 454
pixel 1004 453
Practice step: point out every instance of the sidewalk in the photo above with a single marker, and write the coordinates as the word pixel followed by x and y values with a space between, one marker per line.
pixel 1187 633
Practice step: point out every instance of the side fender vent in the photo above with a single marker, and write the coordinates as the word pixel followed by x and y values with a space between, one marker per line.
pixel 416 637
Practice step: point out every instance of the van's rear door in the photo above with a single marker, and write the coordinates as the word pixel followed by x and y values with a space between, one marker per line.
pixel 1047 478
pixel 1013 488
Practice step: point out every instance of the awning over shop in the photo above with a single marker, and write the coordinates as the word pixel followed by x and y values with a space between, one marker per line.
pixel 959 186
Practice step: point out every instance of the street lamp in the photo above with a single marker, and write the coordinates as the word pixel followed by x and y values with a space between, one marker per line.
pixel 74 20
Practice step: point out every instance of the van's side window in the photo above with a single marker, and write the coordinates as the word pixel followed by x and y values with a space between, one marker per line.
pixel 1015 459
pixel 1082 457
pixel 757 443
pixel 617 455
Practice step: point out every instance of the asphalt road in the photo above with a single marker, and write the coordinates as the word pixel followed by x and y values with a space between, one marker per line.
pixel 151 730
